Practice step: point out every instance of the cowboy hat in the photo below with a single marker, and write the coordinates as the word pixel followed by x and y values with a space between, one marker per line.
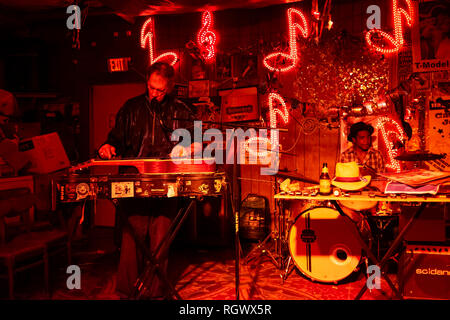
pixel 359 126
pixel 347 177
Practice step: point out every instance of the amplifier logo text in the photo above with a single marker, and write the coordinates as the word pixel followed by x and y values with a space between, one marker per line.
pixel 434 272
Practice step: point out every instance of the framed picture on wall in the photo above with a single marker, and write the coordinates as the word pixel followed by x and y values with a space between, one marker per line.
pixel 239 104
pixel 439 129
pixel 430 36
pixel 199 88
pixel 223 66
pixel 245 67
pixel 198 70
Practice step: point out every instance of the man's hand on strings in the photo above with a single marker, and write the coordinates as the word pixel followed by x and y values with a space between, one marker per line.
pixel 107 151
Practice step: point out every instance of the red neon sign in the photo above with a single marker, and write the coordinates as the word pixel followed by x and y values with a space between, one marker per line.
pixel 273 111
pixel 391 131
pixel 284 114
pixel 147 39
pixel 289 61
pixel 394 42
pixel 206 38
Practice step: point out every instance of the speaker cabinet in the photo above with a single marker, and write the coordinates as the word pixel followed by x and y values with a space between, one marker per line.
pixel 424 272
pixel 430 227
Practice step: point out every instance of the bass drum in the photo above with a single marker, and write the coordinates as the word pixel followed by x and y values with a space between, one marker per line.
pixel 324 245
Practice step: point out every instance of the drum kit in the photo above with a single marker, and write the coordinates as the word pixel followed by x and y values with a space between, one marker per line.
pixel 319 242
pixel 323 245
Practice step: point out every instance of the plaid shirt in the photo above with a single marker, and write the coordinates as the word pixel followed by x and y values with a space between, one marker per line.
pixel 373 158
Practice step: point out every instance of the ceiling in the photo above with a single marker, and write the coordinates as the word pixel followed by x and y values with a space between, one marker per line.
pixel 129 9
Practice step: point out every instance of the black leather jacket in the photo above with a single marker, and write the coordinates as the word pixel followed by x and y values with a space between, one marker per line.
pixel 143 128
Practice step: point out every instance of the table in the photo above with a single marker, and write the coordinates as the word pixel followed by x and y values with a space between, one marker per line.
pixel 371 196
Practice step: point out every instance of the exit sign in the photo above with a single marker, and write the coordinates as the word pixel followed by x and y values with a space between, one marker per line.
pixel 118 64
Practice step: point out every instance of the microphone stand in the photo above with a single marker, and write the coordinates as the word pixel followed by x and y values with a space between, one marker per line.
pixel 236 208
pixel 235 194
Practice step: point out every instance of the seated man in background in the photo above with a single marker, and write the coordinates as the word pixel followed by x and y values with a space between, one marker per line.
pixel 369 160
pixel 362 151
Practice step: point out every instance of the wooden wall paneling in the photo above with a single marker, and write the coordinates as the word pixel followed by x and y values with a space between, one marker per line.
pixel 329 152
pixel 299 150
pixel 311 155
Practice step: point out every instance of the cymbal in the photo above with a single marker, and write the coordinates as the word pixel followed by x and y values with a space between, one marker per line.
pixel 295 176
pixel 418 156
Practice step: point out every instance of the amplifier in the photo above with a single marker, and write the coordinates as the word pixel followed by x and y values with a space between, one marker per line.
pixel 424 272
pixel 239 104
pixel 431 225
pixel 254 217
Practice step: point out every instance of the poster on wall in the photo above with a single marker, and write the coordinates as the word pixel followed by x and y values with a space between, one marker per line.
pixel 431 43
pixel 439 131
pixel 404 64
pixel 223 66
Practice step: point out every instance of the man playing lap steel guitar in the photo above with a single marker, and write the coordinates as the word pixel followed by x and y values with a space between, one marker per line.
pixel 143 129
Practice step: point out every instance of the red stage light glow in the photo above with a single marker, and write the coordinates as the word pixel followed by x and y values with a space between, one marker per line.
pixel 206 38
pixel 147 39
pixel 395 43
pixel 272 61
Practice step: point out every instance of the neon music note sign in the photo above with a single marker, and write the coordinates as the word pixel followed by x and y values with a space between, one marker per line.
pixel 273 141
pixel 147 39
pixel 271 61
pixel 206 38
pixel 391 131
pixel 396 42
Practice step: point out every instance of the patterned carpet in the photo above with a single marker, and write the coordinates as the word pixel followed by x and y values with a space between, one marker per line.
pixel 261 280
pixel 198 274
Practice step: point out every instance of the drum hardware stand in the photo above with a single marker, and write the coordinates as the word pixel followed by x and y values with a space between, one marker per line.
pixel 288 270
pixel 381 227
pixel 366 262
pixel 286 263
pixel 382 224
pixel 262 248
pixel 278 260
pixel 388 254
pixel 262 244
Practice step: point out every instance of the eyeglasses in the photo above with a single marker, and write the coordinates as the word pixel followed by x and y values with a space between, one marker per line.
pixel 159 91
